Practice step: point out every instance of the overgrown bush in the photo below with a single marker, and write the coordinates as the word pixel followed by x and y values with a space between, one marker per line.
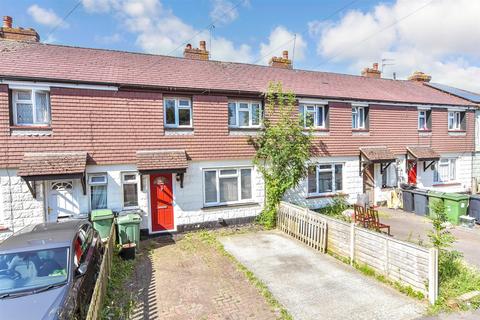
pixel 336 208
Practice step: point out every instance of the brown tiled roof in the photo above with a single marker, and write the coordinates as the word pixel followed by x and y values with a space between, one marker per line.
pixel 44 61
pixel 377 154
pixel 152 160
pixel 52 163
pixel 423 152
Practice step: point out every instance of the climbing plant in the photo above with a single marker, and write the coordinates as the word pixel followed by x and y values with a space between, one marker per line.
pixel 282 149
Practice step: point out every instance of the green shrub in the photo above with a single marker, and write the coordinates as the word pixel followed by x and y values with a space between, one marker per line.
pixel 336 208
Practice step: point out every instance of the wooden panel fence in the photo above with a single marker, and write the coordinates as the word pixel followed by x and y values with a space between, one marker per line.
pixel 400 261
pixel 95 308
pixel 303 225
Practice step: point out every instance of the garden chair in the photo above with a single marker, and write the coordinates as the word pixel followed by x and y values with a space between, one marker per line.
pixel 361 215
pixel 374 221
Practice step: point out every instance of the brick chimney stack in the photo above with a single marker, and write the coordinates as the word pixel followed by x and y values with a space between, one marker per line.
pixel 8 32
pixel 372 72
pixel 281 62
pixel 420 77
pixel 200 53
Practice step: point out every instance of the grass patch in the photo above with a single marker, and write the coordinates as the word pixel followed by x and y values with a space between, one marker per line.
pixel 119 302
pixel 455 279
pixel 211 238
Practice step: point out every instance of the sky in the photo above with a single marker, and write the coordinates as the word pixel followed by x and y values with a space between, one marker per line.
pixel 438 37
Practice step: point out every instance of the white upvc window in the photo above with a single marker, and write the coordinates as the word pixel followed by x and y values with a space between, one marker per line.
pixel 130 190
pixel 313 115
pixel 31 107
pixel 454 120
pixel 445 170
pixel 178 112
pixel 422 120
pixel 245 114
pixel 325 178
pixel 98 190
pixel 389 176
pixel 358 117
pixel 227 186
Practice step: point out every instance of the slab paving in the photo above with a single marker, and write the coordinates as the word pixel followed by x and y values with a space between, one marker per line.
pixel 312 285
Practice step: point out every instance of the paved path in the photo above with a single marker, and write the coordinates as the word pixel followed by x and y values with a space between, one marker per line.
pixel 312 285
pixel 408 226
pixel 189 279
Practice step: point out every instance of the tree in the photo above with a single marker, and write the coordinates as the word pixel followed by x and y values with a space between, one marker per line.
pixel 282 149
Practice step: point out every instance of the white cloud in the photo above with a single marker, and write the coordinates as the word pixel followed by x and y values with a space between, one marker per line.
pixel 109 39
pixel 223 11
pixel 440 39
pixel 47 17
pixel 160 31
pixel 282 39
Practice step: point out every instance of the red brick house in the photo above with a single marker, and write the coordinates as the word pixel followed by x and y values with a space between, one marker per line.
pixel 82 129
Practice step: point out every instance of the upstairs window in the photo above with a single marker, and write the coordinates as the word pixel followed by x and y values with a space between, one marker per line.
pixel 178 112
pixel 325 178
pixel 359 117
pixel 445 171
pixel 314 116
pixel 424 120
pixel 225 186
pixel 31 107
pixel 244 114
pixel 456 121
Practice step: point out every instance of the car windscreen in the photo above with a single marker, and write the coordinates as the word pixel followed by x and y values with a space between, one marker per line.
pixel 32 270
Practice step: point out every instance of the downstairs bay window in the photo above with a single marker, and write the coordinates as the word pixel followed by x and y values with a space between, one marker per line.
pixel 445 171
pixel 325 179
pixel 31 107
pixel 227 186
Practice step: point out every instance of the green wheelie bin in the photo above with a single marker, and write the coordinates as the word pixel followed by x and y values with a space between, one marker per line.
pixel 433 198
pixel 129 229
pixel 456 205
pixel 102 220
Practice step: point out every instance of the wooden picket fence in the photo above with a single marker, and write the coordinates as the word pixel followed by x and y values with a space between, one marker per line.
pixel 95 308
pixel 303 225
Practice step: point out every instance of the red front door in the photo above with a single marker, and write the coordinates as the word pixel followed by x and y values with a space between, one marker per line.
pixel 412 173
pixel 161 194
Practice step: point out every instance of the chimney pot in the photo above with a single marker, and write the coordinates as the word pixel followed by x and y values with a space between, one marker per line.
pixel 200 53
pixel 281 62
pixel 372 72
pixel 285 54
pixel 7 22
pixel 189 46
pixel 420 77
pixel 203 45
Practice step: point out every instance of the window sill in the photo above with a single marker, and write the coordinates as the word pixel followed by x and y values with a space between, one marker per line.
pixel 446 184
pixel 177 131
pixel 326 195
pixel 233 205
pixel 30 130
pixel 178 128
pixel 30 127
pixel 457 131
pixel 245 128
pixel 425 130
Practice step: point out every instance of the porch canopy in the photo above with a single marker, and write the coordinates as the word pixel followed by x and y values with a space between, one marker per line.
pixel 41 166
pixel 376 154
pixel 422 153
pixel 162 161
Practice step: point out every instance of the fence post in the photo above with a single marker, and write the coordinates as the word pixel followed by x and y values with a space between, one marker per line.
pixel 433 276
pixel 352 243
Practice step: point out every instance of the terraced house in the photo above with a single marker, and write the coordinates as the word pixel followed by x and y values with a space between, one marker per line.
pixel 82 129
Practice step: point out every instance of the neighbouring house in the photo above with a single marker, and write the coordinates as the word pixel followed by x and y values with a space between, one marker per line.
pixel 474 98
pixel 84 129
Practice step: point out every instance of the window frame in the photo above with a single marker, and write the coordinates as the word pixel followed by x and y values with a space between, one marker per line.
pixel 177 107
pixel 124 182
pixel 423 114
pixel 250 103
pixel 32 101
pixel 332 170
pixel 436 173
pixel 392 169
pixel 92 184
pixel 456 116
pixel 237 175
pixel 356 111
pixel 318 108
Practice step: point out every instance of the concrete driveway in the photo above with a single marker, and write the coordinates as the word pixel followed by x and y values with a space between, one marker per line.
pixel 410 227
pixel 312 285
